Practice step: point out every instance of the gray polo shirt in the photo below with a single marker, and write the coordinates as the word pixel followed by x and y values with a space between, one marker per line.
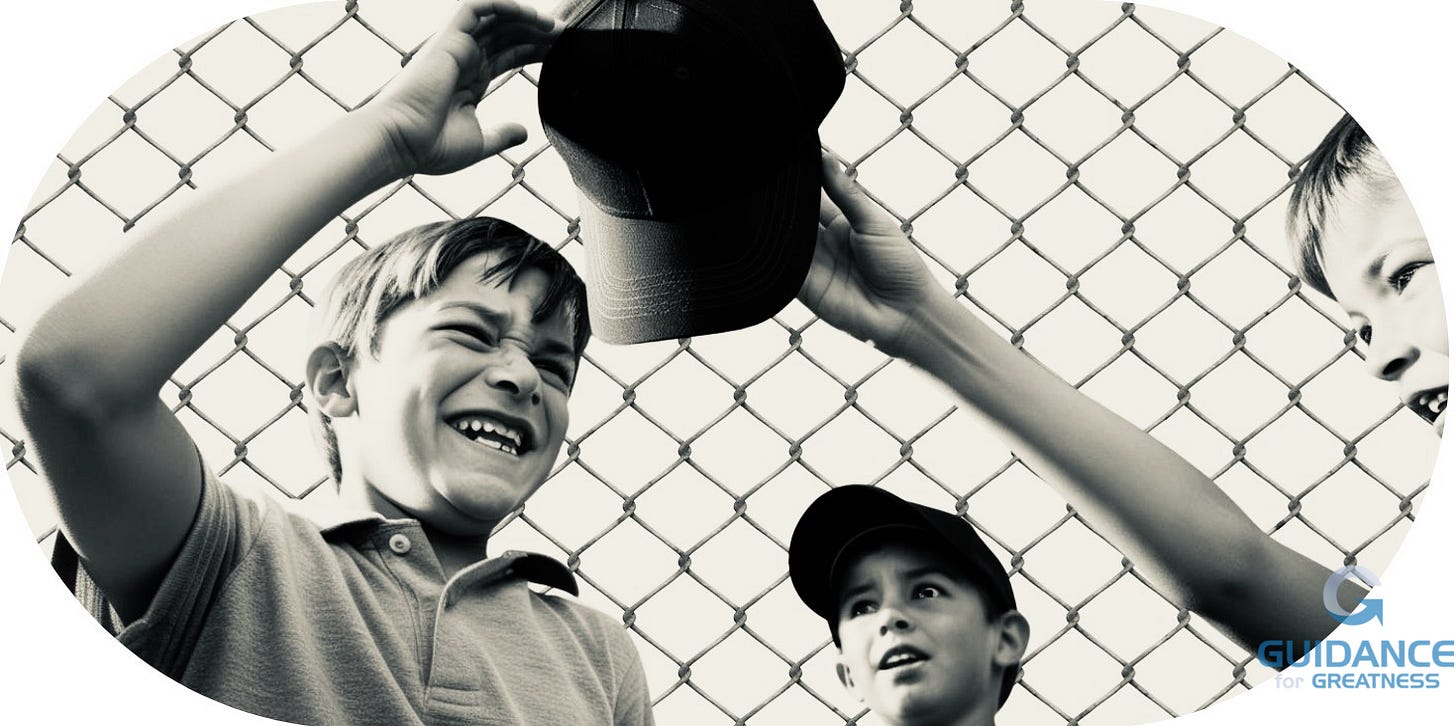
pixel 353 622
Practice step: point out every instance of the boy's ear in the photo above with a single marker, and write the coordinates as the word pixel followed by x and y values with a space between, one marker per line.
pixel 327 373
pixel 842 670
pixel 1015 635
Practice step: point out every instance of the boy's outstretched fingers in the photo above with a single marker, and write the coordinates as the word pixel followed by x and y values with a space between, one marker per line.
pixel 496 13
pixel 428 111
pixel 495 139
pixel 474 15
pixel 513 39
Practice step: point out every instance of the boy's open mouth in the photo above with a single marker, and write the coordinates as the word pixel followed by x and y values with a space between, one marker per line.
pixel 492 432
pixel 1428 404
pixel 900 656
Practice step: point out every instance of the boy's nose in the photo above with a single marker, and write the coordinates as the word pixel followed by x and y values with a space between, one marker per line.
pixel 1389 359
pixel 894 619
pixel 513 372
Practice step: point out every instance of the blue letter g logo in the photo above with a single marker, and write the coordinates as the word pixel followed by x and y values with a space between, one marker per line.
pixel 1374 608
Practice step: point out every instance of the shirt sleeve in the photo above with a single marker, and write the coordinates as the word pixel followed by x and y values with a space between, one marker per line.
pixel 634 702
pixel 226 525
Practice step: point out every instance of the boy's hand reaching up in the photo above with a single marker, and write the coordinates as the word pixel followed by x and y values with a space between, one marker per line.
pixel 428 110
pixel 866 278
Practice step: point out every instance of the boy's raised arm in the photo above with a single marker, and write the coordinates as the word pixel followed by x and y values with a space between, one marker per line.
pixel 124 473
pixel 1167 516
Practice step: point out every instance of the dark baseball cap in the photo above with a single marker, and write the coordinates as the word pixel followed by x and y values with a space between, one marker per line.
pixel 845 516
pixel 690 128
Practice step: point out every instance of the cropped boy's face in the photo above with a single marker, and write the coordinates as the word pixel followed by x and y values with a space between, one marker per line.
pixel 461 414
pixel 1379 265
pixel 916 644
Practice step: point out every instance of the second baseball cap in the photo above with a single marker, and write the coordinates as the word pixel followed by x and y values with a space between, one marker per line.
pixel 846 515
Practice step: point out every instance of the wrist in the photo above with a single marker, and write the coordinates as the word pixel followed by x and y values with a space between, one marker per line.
pixel 373 127
pixel 928 330
pixel 946 340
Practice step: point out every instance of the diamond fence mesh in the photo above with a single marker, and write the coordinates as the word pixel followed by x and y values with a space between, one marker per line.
pixel 1103 184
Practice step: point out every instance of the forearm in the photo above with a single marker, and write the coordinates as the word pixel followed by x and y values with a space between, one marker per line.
pixel 1168 517
pixel 120 333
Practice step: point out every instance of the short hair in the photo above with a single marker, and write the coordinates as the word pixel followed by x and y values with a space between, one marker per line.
pixel 372 286
pixel 1344 159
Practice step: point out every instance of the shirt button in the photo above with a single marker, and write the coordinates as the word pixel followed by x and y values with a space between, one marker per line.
pixel 400 544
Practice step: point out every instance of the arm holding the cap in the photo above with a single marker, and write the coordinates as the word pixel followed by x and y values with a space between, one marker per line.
pixel 1170 519
pixel 123 470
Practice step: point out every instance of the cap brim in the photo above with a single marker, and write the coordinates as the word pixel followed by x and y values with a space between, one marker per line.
pixel 734 264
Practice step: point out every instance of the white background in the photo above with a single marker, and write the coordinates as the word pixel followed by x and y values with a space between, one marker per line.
pixel 1382 61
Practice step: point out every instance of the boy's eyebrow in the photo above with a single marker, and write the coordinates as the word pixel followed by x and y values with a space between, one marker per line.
pixel 907 575
pixel 548 345
pixel 490 315
pixel 854 591
pixel 1376 265
pixel 927 570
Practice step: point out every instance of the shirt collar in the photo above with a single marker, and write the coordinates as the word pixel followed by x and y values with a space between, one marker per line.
pixel 330 517
pixel 332 521
pixel 528 566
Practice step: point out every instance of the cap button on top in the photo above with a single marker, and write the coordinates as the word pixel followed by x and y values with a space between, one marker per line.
pixel 400 544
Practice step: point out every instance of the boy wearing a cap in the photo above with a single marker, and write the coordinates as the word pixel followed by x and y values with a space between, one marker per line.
pixel 1166 516
pixel 440 383
pixel 921 611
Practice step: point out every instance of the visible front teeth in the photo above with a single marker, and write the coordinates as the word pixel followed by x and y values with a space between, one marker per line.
pixel 474 426
pixel 1435 403
pixel 498 445
pixel 901 659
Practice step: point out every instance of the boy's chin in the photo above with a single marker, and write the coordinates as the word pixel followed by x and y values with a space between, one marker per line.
pixel 456 522
pixel 476 507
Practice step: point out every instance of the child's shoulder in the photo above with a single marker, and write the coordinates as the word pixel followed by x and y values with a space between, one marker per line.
pixel 570 606
pixel 557 593
pixel 601 634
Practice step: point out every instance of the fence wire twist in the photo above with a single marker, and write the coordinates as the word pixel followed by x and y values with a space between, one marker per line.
pixel 671 443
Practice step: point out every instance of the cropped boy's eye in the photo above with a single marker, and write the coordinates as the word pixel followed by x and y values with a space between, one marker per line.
pixel 474 331
pixel 1403 276
pixel 861 607
pixel 1365 333
pixel 556 369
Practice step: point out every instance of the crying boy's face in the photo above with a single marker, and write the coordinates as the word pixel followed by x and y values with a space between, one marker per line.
pixel 1379 265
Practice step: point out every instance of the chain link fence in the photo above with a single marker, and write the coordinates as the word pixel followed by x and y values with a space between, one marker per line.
pixel 1104 184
